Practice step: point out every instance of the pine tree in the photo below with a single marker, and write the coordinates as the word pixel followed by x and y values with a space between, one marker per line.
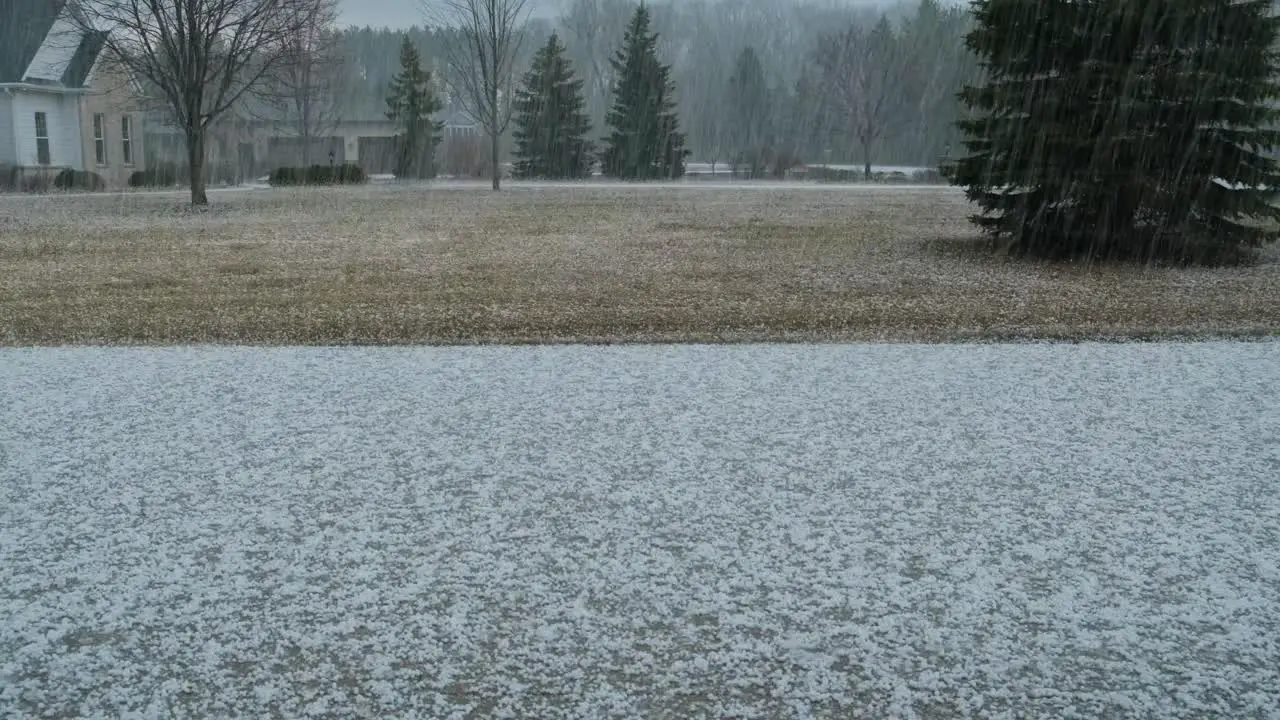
pixel 749 105
pixel 411 102
pixel 644 139
pixel 1123 129
pixel 551 122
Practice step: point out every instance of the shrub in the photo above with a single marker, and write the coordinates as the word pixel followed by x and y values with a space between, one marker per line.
pixel 168 174
pixel 35 182
pixel 288 176
pixel 161 175
pixel 823 173
pixel 347 174
pixel 284 176
pixel 351 174
pixel 79 180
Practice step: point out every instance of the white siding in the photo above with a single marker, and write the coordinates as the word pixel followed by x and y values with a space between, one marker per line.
pixel 8 155
pixel 63 114
pixel 55 52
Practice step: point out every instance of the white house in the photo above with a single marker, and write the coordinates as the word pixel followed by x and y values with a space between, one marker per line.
pixel 47 100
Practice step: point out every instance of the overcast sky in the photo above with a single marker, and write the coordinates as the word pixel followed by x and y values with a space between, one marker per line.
pixel 403 13
pixel 391 13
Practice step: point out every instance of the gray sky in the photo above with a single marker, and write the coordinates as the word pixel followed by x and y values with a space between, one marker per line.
pixel 403 13
pixel 391 13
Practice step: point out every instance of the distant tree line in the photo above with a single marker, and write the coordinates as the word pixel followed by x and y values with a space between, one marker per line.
pixel 642 138
pixel 754 84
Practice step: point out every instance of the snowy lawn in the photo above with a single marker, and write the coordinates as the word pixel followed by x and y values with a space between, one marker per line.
pixel 566 532
pixel 600 262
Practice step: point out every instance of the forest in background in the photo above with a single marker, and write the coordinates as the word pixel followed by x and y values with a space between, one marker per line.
pixel 831 82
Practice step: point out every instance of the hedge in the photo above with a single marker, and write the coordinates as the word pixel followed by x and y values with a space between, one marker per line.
pixel 79 180
pixel 162 175
pixel 347 174
pixel 168 174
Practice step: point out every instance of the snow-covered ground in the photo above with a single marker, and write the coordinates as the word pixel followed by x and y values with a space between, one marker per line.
pixel 569 532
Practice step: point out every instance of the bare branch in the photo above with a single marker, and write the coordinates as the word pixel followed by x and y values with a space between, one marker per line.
pixel 201 56
pixel 481 56
pixel 864 70
pixel 301 96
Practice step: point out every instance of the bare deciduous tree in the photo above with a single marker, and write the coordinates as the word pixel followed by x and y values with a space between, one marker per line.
pixel 201 57
pixel 597 27
pixel 308 83
pixel 481 61
pixel 864 72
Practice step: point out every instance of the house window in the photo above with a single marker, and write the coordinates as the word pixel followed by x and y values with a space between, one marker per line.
pixel 42 139
pixel 100 138
pixel 126 139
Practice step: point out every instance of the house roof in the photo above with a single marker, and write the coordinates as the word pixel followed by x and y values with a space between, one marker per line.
pixel 21 41
pixel 82 61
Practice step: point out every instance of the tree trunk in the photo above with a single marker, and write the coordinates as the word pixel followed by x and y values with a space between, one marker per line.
pixel 195 165
pixel 494 166
pixel 408 163
pixel 866 153
pixel 304 124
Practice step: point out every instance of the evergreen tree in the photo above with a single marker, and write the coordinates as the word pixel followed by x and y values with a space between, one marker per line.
pixel 551 122
pixel 749 105
pixel 644 140
pixel 410 103
pixel 1123 129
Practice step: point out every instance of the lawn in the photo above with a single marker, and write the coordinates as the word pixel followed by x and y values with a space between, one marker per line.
pixel 384 264
pixel 750 531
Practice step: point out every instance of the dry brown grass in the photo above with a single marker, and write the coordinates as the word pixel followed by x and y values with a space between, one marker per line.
pixel 597 264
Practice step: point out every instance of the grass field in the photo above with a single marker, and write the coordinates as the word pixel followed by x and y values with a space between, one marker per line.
pixel 597 264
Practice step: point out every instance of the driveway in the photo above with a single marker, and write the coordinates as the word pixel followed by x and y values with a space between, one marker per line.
pixel 1040 530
